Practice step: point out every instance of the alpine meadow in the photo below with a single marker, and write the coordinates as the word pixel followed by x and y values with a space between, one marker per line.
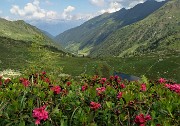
pixel 90 63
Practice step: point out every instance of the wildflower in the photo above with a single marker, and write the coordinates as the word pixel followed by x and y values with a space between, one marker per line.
pixel 40 114
pixel 44 73
pixel 119 95
pixel 47 80
pixel 162 80
pixel 122 86
pixel 68 83
pixel 141 120
pixel 100 90
pixel 95 106
pixel 84 87
pixel 103 80
pixel 7 81
pixel 143 87
pixel 173 87
pixel 111 78
pixel 56 89
pixel 26 82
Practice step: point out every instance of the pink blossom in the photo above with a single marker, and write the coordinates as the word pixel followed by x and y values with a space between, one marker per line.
pixel 141 120
pixel 84 87
pixel 103 80
pixel 119 95
pixel 100 90
pixel 56 89
pixel 173 87
pixel 44 73
pixel 24 81
pixel 95 106
pixel 122 86
pixel 143 87
pixel 40 114
pixel 68 83
pixel 162 80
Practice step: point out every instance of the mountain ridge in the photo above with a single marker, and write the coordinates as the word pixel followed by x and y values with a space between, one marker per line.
pixel 85 37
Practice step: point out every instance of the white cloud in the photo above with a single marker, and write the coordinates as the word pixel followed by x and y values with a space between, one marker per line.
pixel 32 11
pixel 67 13
pixel 97 2
pixel 113 7
pixel 1 12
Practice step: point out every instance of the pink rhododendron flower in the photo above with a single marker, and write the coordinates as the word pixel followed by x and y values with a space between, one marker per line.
pixel 56 89
pixel 116 77
pixel 68 83
pixel 122 86
pixel 47 80
pixel 44 73
pixel 103 80
pixel 173 87
pixel 141 120
pixel 95 106
pixel 84 87
pixel 100 90
pixel 40 114
pixel 143 87
pixel 24 81
pixel 119 95
pixel 162 80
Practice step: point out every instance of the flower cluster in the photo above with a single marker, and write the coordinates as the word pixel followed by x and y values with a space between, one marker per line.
pixel 40 114
pixel 56 89
pixel 95 106
pixel 100 90
pixel 84 87
pixel 141 119
pixel 68 83
pixel 119 95
pixel 103 80
pixel 143 87
pixel 162 80
pixel 24 81
pixel 173 87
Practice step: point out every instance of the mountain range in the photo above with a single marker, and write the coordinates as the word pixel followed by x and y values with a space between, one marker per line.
pixel 134 31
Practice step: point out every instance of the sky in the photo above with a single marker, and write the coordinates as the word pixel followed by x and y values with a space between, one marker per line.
pixel 55 11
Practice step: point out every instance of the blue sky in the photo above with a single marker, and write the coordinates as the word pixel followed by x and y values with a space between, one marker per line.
pixel 58 10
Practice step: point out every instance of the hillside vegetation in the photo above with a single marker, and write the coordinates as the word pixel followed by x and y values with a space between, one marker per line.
pixel 23 45
pixel 83 39
pixel 159 32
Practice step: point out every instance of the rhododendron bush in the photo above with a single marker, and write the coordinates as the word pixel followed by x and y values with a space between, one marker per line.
pixel 37 99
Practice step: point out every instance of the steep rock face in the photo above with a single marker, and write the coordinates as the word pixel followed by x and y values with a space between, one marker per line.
pixel 158 32
pixel 93 32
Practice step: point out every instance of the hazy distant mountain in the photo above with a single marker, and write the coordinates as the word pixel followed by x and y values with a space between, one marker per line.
pixel 48 34
pixel 159 32
pixel 57 28
pixel 84 38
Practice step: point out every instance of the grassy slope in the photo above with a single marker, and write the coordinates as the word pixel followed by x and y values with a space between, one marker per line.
pixel 158 32
pixel 20 30
pixel 35 57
